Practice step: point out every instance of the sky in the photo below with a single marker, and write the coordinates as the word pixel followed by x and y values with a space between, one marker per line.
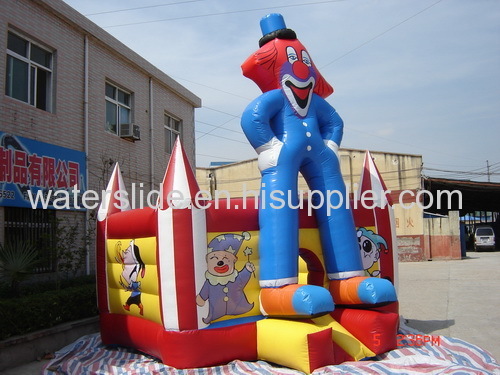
pixel 410 76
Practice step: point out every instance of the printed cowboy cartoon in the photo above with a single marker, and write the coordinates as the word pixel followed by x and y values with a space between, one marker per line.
pixel 132 267
pixel 370 246
pixel 224 284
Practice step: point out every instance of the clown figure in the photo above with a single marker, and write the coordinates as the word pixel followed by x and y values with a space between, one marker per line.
pixel 224 284
pixel 132 267
pixel 294 129
pixel 369 246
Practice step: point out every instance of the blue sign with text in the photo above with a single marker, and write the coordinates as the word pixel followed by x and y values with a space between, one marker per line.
pixel 36 174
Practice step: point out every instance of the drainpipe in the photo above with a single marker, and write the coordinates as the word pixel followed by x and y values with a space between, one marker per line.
pixel 86 139
pixel 151 161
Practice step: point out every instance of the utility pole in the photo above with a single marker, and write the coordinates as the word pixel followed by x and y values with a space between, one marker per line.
pixel 488 170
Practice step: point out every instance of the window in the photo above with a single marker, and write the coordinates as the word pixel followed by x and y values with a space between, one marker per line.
pixel 29 72
pixel 484 232
pixel 118 108
pixel 173 129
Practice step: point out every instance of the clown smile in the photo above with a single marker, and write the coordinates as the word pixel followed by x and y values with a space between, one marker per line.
pixel 301 94
pixel 221 269
pixel 298 93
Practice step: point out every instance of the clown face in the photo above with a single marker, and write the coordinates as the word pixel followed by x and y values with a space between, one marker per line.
pixel 221 263
pixel 369 251
pixel 297 76
pixel 285 64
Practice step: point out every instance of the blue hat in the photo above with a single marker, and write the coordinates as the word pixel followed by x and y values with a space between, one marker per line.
pixel 273 26
pixel 228 242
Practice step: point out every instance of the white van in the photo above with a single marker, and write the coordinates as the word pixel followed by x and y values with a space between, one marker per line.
pixel 484 238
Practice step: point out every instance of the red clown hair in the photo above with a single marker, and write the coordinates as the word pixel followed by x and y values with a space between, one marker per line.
pixel 263 67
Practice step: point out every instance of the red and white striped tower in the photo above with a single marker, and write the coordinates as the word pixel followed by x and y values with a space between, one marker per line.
pixel 182 246
pixel 115 199
pixel 383 215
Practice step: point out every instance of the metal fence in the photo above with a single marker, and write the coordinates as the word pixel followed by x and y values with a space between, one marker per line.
pixel 36 227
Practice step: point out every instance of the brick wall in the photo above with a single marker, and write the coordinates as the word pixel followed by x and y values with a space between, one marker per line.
pixel 59 28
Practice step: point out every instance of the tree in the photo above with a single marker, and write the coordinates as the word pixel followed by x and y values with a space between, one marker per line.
pixel 17 260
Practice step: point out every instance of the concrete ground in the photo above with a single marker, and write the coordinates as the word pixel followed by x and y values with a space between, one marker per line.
pixel 457 298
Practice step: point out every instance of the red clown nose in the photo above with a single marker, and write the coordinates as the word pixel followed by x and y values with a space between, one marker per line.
pixel 300 69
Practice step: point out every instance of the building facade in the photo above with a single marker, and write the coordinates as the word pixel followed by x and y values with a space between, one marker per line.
pixel 402 174
pixel 73 102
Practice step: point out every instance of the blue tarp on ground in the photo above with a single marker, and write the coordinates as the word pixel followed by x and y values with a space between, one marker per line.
pixel 441 355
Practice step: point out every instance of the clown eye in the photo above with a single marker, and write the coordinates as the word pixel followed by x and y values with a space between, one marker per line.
pixel 367 246
pixel 306 59
pixel 291 54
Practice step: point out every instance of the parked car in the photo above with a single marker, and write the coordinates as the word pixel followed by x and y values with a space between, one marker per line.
pixel 484 238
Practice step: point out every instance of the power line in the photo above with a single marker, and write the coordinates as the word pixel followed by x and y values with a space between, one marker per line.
pixel 379 35
pixel 223 13
pixel 220 136
pixel 218 110
pixel 212 88
pixel 336 59
pixel 259 9
pixel 221 125
pixel 469 172
pixel 213 156
pixel 218 127
pixel 143 7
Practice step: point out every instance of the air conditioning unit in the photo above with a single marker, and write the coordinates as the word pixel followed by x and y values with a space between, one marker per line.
pixel 130 131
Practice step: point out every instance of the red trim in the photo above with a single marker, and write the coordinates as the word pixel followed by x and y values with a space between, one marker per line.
pixel 383 221
pixel 181 349
pixel 184 266
pixel 209 347
pixel 171 175
pixel 102 285
pixel 132 332
pixel 340 354
pixel 392 307
pixel 363 217
pixel 320 349
pixel 376 329
pixel 136 223
pixel 230 216
pixel 168 178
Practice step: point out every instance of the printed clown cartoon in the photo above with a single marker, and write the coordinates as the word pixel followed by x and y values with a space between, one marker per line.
pixel 370 246
pixel 294 129
pixel 132 267
pixel 224 284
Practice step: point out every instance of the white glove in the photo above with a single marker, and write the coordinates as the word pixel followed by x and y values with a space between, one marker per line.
pixel 332 146
pixel 269 153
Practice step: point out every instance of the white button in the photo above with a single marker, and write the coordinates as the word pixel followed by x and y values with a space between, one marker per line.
pixel 308 134
pixel 304 123
pixel 309 148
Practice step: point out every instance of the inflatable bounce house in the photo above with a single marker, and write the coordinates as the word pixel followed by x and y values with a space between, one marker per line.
pixel 198 282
